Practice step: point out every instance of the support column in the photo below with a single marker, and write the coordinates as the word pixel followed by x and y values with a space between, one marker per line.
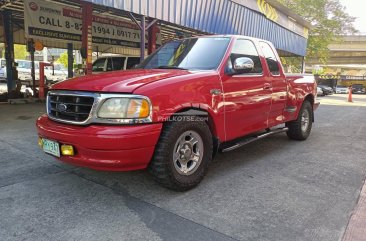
pixel 9 49
pixel 142 42
pixel 42 84
pixel 142 33
pixel 70 60
pixel 87 12
pixel 303 65
pixel 45 54
pixel 33 67
pixel 151 44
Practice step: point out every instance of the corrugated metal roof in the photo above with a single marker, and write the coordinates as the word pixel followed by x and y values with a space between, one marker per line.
pixel 214 16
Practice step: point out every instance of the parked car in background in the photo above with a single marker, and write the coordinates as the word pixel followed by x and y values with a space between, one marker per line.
pixel 23 68
pixel 3 86
pixel 340 89
pixel 326 90
pixel 358 89
pixel 55 73
pixel 24 71
pixel 319 91
pixel 2 69
pixel 113 63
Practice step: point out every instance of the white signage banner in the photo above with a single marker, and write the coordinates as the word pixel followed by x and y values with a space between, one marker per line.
pixel 51 21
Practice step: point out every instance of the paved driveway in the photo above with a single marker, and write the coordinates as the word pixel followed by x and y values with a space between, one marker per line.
pixel 273 189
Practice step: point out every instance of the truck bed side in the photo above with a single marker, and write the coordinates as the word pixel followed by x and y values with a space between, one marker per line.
pixel 299 88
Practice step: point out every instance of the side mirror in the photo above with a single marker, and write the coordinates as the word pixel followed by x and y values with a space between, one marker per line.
pixel 243 65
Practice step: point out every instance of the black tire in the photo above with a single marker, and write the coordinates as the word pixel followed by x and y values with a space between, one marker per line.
pixel 162 166
pixel 296 129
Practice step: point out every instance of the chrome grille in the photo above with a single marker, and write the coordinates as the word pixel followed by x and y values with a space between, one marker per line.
pixel 69 107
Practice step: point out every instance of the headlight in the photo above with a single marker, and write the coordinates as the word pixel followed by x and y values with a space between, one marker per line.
pixel 124 108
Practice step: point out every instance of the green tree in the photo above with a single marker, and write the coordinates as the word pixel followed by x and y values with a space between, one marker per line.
pixel 20 51
pixel 329 20
pixel 63 59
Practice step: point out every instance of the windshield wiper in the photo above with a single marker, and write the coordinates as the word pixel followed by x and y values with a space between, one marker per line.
pixel 169 67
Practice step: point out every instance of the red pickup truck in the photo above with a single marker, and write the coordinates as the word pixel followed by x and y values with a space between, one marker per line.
pixel 184 103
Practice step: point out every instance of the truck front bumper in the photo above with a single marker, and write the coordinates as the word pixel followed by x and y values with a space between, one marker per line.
pixel 104 147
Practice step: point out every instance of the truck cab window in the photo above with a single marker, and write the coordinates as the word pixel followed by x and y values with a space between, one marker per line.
pixel 109 64
pixel 270 58
pixel 98 65
pixel 132 61
pixel 118 63
pixel 246 48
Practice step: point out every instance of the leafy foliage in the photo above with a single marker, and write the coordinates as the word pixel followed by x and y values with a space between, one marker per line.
pixel 63 59
pixel 292 64
pixel 329 20
pixel 20 51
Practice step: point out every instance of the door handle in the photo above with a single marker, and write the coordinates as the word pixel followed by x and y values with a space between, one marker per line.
pixel 267 86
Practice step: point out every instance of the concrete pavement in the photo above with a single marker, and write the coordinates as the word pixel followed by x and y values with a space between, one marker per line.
pixel 273 189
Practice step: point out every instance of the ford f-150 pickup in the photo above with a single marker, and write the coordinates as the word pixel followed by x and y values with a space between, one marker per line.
pixel 184 103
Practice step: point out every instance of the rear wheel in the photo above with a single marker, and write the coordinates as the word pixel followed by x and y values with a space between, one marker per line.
pixel 300 128
pixel 182 155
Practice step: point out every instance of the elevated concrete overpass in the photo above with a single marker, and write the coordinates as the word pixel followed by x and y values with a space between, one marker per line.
pixel 351 50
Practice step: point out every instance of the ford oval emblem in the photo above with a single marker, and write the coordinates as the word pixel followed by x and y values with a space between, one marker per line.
pixel 62 107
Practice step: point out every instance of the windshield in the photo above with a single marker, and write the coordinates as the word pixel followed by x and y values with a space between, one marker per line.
pixel 24 64
pixel 192 54
pixel 58 67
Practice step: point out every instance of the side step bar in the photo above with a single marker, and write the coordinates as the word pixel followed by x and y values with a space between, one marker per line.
pixel 250 139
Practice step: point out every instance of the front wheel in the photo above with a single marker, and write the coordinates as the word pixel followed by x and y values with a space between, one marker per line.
pixel 300 128
pixel 182 155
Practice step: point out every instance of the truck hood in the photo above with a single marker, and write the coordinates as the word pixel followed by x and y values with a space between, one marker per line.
pixel 118 81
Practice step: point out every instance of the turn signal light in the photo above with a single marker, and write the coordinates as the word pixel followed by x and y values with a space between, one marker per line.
pixel 145 109
pixel 40 142
pixel 67 150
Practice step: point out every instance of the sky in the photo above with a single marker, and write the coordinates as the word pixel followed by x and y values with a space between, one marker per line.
pixel 356 8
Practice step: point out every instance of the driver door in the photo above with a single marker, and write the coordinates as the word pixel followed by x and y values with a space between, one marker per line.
pixel 247 96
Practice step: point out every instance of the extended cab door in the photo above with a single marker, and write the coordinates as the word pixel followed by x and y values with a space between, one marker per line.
pixel 247 96
pixel 278 83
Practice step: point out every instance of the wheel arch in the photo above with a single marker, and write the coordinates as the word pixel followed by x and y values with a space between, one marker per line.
pixel 210 121
pixel 311 99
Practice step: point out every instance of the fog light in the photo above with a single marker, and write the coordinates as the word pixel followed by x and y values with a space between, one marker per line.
pixel 67 150
pixel 40 142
